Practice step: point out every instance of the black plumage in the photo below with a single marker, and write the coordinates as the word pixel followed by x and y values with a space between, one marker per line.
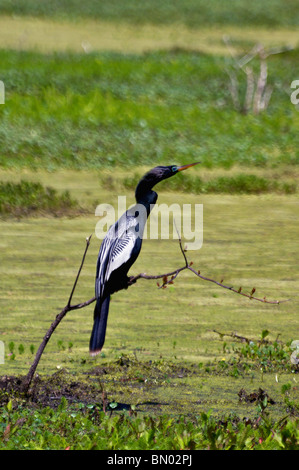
pixel 121 247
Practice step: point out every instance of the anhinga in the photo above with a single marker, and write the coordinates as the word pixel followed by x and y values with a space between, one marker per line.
pixel 121 247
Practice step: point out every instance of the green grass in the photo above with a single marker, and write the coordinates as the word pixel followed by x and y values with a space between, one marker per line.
pixel 41 257
pixel 99 110
pixel 49 430
pixel 27 198
pixel 194 13
pixel 242 183
pixel 56 34
pixel 82 421
pixel 82 124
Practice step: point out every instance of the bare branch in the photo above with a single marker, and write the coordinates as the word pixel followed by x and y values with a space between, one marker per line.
pixel 243 339
pixel 259 100
pixel 133 279
pixel 79 271
pixel 261 82
pixel 174 274
pixel 82 304
pixel 234 89
pixel 249 89
pixel 59 317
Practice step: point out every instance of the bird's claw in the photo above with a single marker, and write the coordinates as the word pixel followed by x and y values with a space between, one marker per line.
pixel 131 280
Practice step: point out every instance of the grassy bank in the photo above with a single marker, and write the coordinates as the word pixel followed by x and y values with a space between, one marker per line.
pixel 168 354
pixel 90 111
pixel 194 13
pixel 87 125
pixel 242 245
pixel 57 34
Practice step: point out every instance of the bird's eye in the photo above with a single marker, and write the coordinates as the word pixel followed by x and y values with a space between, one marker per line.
pixel 174 169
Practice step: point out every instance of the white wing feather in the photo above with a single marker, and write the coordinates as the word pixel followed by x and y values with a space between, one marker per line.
pixel 116 249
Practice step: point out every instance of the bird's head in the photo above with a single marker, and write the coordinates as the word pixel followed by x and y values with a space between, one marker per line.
pixel 157 174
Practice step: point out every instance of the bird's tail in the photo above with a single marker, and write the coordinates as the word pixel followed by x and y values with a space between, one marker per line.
pixel 98 333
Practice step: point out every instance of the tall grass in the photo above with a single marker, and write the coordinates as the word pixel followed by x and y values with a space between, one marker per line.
pixel 194 13
pixel 26 198
pixel 90 111
pixel 239 184
pixel 89 428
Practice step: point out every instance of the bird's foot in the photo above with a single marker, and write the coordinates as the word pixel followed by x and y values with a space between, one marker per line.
pixel 131 280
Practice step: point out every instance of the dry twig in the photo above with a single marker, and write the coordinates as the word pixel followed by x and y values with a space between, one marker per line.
pixel 59 317
pixel 174 274
pixel 257 95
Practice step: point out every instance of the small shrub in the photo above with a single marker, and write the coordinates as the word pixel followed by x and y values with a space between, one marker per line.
pixel 28 197
pixel 239 184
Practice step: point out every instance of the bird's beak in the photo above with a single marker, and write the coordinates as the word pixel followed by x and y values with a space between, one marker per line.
pixel 184 167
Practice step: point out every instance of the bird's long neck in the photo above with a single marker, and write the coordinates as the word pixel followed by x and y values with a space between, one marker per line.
pixel 147 199
pixel 144 193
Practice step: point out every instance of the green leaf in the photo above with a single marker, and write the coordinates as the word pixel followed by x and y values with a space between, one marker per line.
pixel 265 333
pixel 9 406
pixel 113 405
